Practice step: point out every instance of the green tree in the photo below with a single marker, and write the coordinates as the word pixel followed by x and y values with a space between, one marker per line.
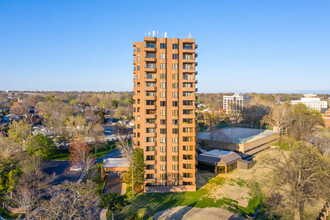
pixel 138 169
pixel 113 202
pixel 40 144
pixel 304 121
pixel 19 131
pixel 101 117
pixel 6 166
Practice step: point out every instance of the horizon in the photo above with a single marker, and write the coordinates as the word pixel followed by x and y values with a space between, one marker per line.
pixel 271 47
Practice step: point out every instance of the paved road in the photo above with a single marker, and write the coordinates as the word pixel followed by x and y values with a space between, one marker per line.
pixel 113 154
pixel 61 171
pixel 114 183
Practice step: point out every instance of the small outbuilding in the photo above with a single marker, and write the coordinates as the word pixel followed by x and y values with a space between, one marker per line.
pixel 220 161
pixel 114 164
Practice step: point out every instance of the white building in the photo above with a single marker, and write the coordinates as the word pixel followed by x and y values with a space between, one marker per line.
pixel 236 102
pixel 311 101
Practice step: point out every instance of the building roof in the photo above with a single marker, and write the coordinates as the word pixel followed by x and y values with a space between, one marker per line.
pixel 324 110
pixel 215 156
pixel 115 162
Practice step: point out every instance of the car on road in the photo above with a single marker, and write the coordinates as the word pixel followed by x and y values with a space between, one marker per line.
pixel 75 169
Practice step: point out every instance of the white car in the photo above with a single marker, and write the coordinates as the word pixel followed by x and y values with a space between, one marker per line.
pixel 75 169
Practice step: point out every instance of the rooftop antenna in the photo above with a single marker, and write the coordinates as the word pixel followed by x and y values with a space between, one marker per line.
pixel 149 33
pixel 157 33
pixel 153 33
pixel 165 35
pixel 189 36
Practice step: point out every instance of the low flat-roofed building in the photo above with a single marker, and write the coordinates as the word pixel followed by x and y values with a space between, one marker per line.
pixel 114 164
pixel 220 161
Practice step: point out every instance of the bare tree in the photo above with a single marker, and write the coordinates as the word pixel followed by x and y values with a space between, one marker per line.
pixel 17 109
pixel 70 201
pixel 280 116
pixel 80 154
pixel 298 177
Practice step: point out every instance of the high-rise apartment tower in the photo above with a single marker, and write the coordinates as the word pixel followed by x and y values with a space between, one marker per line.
pixel 164 112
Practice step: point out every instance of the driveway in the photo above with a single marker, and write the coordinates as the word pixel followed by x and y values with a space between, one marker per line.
pixel 61 171
pixel 114 183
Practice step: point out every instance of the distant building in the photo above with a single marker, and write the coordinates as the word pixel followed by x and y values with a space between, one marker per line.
pixel 236 102
pixel 325 112
pixel 311 100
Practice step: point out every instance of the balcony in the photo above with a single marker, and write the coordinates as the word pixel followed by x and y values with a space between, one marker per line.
pixel 196 72
pixel 196 46
pixel 150 67
pixel 196 55
pixel 150 57
pixel 150 47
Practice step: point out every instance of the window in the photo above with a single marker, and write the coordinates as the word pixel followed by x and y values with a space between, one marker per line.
pixel 175 56
pixel 175 66
pixel 162 103
pixel 150 102
pixel 150 130
pixel 188 56
pixel 163 46
pixel 175 139
pixel 138 84
pixel 150 148
pixel 150 139
pixel 138 101
pixel 138 118
pixel 189 175
pixel 188 112
pixel 163 94
pixel 188 67
pixel 188 85
pixel 163 176
pixel 162 149
pixel 175 167
pixel 163 131
pixel 150 65
pixel 150 167
pixel 138 49
pixel 162 112
pixel 175 158
pixel 149 84
pixel 187 166
pixel 175 176
pixel 162 140
pixel 188 139
pixel 162 66
pixel 188 76
pixel 175 149
pixel 175 131
pixel 163 56
pixel 187 157
pixel 187 121
pixel 175 103
pixel 162 158
pixel 175 94
pixel 150 121
pixel 175 122
pixel 175 85
pixel 150 111
pixel 188 102
pixel 163 85
pixel 175 76
pixel 163 122
pixel 175 112
pixel 187 130
pixel 187 46
pixel 149 45
pixel 188 94
pixel 188 147
pixel 138 58
pixel 138 67
pixel 162 167
pixel 175 46
pixel 138 76
pixel 150 93
pixel 150 76
pixel 150 157
pixel 150 176
pixel 162 76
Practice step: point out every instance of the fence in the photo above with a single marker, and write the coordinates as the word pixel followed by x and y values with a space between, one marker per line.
pixel 255 126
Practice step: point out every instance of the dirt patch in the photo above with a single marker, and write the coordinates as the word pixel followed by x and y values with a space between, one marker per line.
pixel 190 213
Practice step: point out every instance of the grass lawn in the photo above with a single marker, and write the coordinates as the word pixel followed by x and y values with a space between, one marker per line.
pixel 102 150
pixel 146 205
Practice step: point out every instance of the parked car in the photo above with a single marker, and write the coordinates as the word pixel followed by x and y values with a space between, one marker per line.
pixel 75 169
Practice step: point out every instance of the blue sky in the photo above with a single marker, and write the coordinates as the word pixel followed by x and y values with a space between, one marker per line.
pixel 244 45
